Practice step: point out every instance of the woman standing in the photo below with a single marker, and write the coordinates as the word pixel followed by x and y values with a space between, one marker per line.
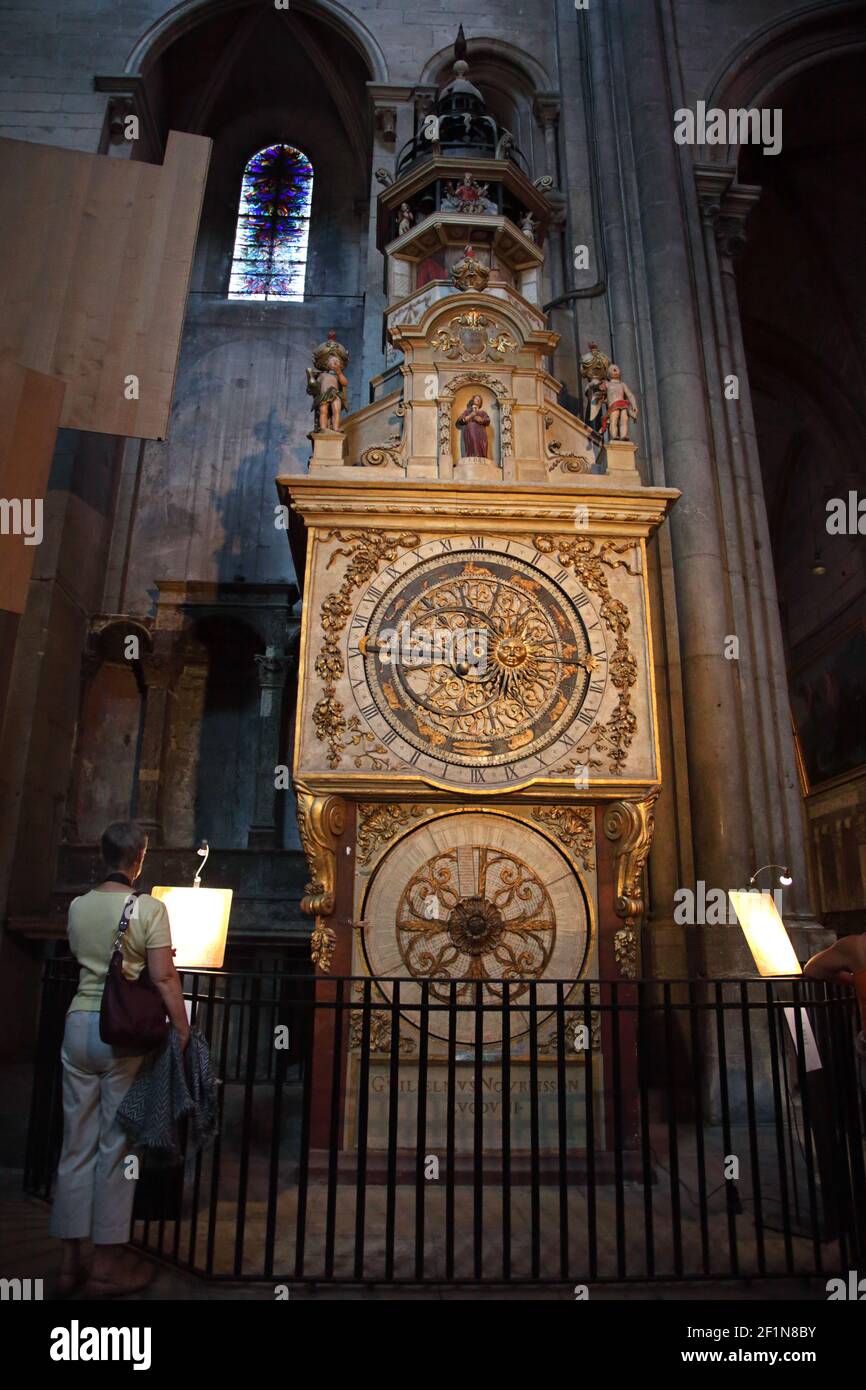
pixel 93 1196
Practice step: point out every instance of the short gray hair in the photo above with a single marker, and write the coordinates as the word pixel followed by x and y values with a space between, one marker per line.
pixel 122 843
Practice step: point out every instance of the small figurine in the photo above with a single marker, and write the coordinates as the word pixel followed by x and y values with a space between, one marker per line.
pixel 468 196
pixel 504 145
pixel 326 383
pixel 473 423
pixel 468 273
pixel 528 225
pixel 594 366
pixel 621 405
pixel 405 219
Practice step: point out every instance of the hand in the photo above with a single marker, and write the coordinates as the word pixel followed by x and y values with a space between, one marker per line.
pixel 184 1038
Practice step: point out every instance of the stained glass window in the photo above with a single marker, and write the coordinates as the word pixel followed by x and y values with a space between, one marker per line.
pixel 270 255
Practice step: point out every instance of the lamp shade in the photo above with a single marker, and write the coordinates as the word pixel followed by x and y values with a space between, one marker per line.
pixel 765 932
pixel 199 920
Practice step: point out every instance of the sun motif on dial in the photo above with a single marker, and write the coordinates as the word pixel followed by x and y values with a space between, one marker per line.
pixel 499 662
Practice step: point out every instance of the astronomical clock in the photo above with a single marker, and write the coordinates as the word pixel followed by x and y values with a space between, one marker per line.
pixel 475 749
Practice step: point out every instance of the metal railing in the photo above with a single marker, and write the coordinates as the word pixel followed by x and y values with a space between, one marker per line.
pixel 467 1132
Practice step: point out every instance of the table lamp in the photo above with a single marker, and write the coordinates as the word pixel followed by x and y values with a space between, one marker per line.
pixel 199 920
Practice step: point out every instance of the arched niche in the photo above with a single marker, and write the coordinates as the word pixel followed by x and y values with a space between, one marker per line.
pixel 211 752
pixel 498 403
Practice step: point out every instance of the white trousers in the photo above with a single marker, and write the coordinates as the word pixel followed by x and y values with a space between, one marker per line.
pixel 92 1197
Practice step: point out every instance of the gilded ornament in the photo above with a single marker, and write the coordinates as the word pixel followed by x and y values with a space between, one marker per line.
pixel 378 824
pixel 574 826
pixel 321 822
pixel 574 1020
pixel 466 339
pixel 468 273
pixel 588 558
pixel 625 951
pixel 475 913
pixel 366 551
pixel 630 826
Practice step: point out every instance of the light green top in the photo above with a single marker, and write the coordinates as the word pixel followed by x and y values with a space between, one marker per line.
pixel 92 927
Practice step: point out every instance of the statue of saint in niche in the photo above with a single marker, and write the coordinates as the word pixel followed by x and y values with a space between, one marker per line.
pixel 473 424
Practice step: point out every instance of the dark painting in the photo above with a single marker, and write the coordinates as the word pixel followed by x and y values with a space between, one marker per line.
pixel 828 697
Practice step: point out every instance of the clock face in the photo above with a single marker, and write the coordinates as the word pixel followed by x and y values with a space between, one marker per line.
pixel 479 899
pixel 472 661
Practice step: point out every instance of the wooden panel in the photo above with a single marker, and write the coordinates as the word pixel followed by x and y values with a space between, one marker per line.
pixel 95 260
pixel 30 408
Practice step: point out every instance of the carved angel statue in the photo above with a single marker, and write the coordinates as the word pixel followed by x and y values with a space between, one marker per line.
pixel 621 405
pixel 405 219
pixel 326 383
pixel 528 225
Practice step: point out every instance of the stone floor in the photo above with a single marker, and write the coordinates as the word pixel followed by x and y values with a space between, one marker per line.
pixel 27 1250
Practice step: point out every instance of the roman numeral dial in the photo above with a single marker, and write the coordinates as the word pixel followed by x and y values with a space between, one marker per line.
pixel 477 656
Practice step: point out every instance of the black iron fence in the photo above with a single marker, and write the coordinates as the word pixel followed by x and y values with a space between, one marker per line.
pixel 457 1131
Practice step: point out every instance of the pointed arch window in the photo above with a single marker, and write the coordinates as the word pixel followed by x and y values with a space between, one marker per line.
pixel 273 228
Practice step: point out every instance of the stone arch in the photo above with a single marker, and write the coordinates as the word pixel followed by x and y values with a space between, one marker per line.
pixel 782 49
pixel 481 48
pixel 190 13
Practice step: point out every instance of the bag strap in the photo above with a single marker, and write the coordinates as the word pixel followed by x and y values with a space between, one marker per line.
pixel 128 909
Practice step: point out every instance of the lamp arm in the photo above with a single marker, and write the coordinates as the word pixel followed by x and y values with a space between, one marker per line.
pixel 783 867
pixel 204 851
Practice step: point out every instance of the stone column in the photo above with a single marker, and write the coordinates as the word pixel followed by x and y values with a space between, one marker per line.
pixel 546 108
pixel 785 813
pixel 91 661
pixel 272 669
pixel 716 757
pixel 160 672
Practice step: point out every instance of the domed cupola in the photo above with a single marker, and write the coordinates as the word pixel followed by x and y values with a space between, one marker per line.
pixel 464 125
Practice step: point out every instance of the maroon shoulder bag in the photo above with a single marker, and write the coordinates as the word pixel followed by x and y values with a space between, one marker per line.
pixel 132 1013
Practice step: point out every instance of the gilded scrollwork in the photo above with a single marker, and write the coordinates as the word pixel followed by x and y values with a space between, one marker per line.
pixel 321 822
pixel 378 823
pixel 467 339
pixel 630 826
pixel 380 1029
pixel 365 551
pixel 625 951
pixel 379 455
pixel 568 463
pixel 574 826
pixel 575 1021
pixel 475 913
pixel 588 559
